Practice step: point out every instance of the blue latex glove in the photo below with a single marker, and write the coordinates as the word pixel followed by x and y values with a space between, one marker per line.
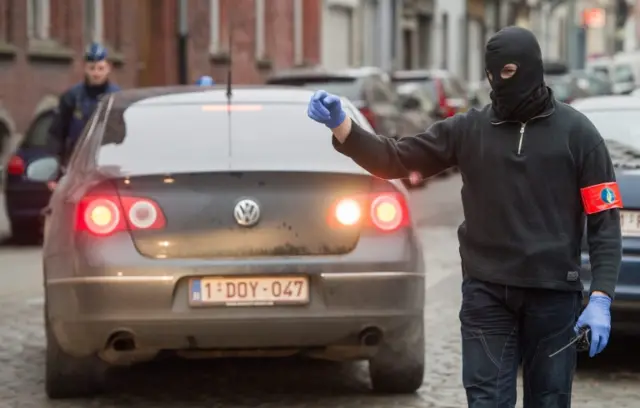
pixel 597 316
pixel 326 108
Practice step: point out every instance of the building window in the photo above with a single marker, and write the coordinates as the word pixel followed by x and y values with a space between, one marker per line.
pixel 214 24
pixel 93 21
pixel 38 19
pixel 260 30
pixel 6 21
pixel 298 33
pixel 445 41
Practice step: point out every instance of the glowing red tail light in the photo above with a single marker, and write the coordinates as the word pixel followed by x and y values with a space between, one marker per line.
pixel 15 167
pixel 385 211
pixel 105 215
pixel 445 108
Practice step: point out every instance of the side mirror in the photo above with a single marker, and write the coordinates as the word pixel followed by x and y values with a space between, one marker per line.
pixel 43 170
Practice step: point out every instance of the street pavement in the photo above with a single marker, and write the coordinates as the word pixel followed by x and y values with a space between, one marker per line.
pixel 611 380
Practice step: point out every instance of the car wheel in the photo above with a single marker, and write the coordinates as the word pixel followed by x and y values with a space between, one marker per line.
pixel 71 377
pixel 398 366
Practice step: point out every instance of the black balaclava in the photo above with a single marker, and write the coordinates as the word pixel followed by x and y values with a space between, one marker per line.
pixel 525 94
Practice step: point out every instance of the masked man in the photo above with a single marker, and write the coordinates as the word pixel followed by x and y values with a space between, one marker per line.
pixel 78 103
pixel 530 165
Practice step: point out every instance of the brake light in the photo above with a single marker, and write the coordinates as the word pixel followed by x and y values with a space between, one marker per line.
pixel 368 114
pixel 445 108
pixel 106 215
pixel 15 167
pixel 102 216
pixel 348 212
pixel 386 212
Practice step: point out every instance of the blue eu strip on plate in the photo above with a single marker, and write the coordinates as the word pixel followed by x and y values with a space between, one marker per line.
pixel 195 290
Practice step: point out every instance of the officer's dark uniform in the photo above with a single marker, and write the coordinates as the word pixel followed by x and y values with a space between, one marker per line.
pixel 75 108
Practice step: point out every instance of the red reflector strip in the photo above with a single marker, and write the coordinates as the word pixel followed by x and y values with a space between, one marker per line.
pixel 230 108
pixel 601 197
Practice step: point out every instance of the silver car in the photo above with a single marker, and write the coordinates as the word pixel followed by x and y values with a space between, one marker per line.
pixel 189 225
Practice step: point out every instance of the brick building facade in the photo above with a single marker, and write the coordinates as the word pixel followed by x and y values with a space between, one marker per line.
pixel 42 41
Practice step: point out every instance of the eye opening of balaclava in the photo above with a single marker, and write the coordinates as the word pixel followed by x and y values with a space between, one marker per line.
pixel 524 94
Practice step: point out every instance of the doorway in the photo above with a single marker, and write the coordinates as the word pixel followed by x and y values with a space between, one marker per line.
pixel 156 45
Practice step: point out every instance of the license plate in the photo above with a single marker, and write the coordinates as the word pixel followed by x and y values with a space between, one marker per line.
pixel 249 291
pixel 630 223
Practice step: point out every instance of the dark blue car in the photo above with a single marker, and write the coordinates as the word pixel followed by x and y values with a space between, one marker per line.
pixel 25 199
pixel 618 120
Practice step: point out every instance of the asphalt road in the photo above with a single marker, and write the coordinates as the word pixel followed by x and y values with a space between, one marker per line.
pixel 611 380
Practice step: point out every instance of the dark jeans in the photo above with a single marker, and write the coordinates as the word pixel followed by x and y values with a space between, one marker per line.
pixel 504 326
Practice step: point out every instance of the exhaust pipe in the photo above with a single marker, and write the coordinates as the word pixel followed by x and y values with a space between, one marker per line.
pixel 122 341
pixel 371 337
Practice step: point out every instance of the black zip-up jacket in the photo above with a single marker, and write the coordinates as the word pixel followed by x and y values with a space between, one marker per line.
pixel 524 215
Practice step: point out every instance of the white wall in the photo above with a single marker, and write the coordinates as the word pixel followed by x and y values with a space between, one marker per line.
pixel 456 10
pixel 357 40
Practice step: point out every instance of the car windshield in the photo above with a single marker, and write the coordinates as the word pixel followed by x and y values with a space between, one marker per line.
pixel 172 138
pixel 622 73
pixel 38 133
pixel 347 87
pixel 619 128
pixel 562 88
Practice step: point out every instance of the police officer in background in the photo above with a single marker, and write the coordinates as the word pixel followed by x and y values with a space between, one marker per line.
pixel 534 171
pixel 78 103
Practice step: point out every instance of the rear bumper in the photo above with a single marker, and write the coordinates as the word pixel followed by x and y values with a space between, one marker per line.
pixel 625 309
pixel 85 312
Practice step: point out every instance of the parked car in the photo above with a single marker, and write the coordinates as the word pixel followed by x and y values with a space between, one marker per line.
pixel 565 88
pixel 289 249
pixel 480 94
pixel 369 89
pixel 617 118
pixel 593 83
pixel 625 73
pixel 24 198
pixel 416 102
pixel 444 89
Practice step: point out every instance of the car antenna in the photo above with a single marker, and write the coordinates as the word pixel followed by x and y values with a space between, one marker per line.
pixel 229 68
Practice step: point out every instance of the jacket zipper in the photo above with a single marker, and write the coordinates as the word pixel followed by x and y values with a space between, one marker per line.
pixel 521 137
pixel 523 125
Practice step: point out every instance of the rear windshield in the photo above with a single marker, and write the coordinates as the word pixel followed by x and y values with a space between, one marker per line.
pixel 192 138
pixel 347 87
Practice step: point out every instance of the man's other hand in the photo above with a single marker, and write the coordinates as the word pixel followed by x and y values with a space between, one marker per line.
pixel 596 316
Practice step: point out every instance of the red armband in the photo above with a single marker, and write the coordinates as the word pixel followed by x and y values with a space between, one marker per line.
pixel 601 197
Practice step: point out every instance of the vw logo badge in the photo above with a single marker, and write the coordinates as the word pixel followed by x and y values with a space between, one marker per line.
pixel 247 213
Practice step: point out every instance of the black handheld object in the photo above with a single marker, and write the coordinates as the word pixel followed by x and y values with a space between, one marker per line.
pixel 582 341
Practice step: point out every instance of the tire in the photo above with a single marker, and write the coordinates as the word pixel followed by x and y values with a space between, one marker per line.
pixel 71 377
pixel 398 366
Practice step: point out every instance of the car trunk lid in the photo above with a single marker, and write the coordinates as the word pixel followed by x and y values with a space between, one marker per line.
pixel 204 218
